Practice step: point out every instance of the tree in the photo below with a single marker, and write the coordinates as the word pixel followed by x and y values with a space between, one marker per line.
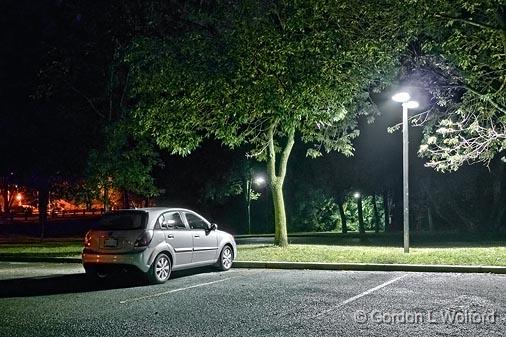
pixel 461 63
pixel 124 162
pixel 265 74
pixel 83 75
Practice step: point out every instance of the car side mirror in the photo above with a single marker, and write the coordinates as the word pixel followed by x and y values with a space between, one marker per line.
pixel 214 227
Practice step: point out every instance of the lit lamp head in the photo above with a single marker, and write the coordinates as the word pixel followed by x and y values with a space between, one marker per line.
pixel 411 104
pixel 401 97
pixel 356 195
pixel 404 98
pixel 259 181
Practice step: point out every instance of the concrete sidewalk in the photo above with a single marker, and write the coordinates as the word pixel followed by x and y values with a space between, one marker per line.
pixel 304 265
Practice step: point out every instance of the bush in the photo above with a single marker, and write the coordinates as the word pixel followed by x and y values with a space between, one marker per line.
pixel 315 211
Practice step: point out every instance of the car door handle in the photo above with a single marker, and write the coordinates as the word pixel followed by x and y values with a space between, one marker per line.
pixel 196 236
pixel 170 236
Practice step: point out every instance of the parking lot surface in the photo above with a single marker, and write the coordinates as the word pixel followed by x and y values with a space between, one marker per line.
pixel 57 300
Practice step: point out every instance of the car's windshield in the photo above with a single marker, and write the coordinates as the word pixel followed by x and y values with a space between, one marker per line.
pixel 123 220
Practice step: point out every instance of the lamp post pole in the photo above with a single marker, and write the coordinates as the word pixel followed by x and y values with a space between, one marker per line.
pixel 248 201
pixel 404 98
pixel 405 174
pixel 258 181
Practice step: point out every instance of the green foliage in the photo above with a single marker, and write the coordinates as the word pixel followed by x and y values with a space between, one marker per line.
pixel 316 212
pixel 462 65
pixel 261 73
pixel 226 185
pixel 351 210
pixel 303 66
pixel 124 162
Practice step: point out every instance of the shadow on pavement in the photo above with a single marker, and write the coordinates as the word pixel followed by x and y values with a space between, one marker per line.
pixel 80 283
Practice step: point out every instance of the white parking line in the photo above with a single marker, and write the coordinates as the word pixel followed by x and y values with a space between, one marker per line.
pixel 175 290
pixel 365 293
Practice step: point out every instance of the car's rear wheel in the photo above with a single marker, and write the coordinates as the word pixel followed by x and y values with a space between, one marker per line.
pixel 226 258
pixel 160 269
pixel 96 273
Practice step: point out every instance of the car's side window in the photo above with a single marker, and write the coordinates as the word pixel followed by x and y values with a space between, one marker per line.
pixel 196 222
pixel 171 220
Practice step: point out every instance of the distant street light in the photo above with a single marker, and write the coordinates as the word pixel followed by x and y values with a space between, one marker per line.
pixel 404 98
pixel 258 181
pixel 361 228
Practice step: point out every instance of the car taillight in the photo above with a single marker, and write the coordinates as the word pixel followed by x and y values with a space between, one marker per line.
pixel 87 239
pixel 144 239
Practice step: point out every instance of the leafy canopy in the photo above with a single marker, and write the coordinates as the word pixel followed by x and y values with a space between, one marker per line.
pixel 462 64
pixel 297 66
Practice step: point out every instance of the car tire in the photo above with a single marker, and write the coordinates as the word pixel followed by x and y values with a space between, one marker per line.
pixel 96 274
pixel 226 258
pixel 160 269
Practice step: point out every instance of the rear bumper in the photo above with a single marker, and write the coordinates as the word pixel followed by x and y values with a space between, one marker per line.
pixel 138 260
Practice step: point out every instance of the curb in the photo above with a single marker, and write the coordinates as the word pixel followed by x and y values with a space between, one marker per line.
pixel 371 267
pixel 308 265
pixel 48 259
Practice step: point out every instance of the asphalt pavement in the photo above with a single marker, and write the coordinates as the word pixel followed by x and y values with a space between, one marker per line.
pixel 38 299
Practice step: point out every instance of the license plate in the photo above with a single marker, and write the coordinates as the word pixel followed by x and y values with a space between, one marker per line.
pixel 111 243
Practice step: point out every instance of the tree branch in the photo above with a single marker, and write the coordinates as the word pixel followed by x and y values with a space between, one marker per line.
pixel 469 22
pixel 285 154
pixel 271 159
pixel 90 102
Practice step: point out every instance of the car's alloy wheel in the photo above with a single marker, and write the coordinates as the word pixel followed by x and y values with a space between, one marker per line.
pixel 160 269
pixel 226 258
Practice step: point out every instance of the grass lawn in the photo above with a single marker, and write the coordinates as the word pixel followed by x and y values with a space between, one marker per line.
pixel 42 249
pixel 450 253
pixel 475 255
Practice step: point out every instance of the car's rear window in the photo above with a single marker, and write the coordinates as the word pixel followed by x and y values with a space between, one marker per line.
pixel 123 220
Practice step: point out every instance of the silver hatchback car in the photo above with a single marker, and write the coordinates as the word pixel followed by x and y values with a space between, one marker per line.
pixel 155 241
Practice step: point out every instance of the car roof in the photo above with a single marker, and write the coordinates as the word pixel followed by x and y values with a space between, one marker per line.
pixel 158 209
pixel 154 212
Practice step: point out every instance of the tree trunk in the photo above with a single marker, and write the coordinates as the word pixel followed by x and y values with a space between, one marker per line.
pixel 397 221
pixel 386 210
pixel 344 226
pixel 281 235
pixel 276 179
pixel 498 208
pixel 126 201
pixel 375 215
pixel 5 195
pixel 431 220
pixel 106 198
pixel 43 203
pixel 361 227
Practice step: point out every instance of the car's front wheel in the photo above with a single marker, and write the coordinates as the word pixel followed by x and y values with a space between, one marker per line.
pixel 226 258
pixel 160 269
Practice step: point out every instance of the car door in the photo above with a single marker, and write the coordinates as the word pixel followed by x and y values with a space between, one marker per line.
pixel 205 241
pixel 177 236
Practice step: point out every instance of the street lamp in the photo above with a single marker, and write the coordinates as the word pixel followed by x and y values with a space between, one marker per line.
pixel 407 103
pixel 257 181
pixel 361 228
